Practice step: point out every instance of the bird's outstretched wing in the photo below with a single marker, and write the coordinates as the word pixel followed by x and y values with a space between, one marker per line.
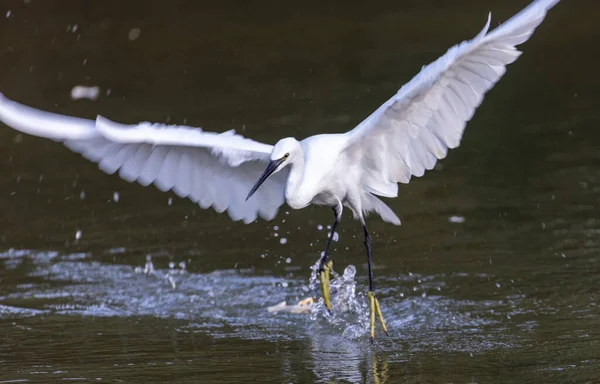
pixel 415 128
pixel 211 169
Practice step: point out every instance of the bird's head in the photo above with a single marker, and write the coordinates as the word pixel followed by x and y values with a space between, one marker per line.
pixel 283 154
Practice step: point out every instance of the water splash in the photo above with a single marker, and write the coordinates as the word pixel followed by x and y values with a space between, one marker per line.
pixel 234 302
pixel 347 309
pixel 169 276
pixel 148 267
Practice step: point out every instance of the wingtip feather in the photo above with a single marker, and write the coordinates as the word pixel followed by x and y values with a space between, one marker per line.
pixel 44 124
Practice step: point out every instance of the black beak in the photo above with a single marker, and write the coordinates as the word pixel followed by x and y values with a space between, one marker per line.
pixel 273 164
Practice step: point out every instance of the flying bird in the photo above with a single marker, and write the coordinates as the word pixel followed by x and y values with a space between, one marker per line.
pixel 402 138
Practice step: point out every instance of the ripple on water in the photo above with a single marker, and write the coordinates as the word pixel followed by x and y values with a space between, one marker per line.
pixel 420 311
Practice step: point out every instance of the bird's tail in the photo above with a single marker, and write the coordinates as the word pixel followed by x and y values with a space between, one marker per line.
pixel 382 210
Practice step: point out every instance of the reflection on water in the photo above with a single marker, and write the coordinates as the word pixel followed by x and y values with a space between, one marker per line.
pixel 336 360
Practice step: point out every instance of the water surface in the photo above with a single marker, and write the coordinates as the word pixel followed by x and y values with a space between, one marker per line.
pixel 492 278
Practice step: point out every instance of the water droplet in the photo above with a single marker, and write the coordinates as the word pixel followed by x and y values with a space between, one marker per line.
pixel 336 236
pixel 349 272
pixel 8 13
pixel 18 138
pixel 288 260
pixel 456 219
pixel 116 197
pixel 319 227
pixel 78 234
pixel 283 240
pixel 276 228
pixel 134 33
pixel 85 92
pixel 82 195
pixel 149 267
pixel 170 201
pixel 172 281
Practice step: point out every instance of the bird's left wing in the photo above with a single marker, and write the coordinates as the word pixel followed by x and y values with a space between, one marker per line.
pixel 211 169
pixel 415 128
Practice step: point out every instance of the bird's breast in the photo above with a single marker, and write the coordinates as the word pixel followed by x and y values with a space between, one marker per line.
pixel 300 197
pixel 297 204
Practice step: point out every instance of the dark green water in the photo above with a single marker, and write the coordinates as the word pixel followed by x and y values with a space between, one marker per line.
pixel 510 295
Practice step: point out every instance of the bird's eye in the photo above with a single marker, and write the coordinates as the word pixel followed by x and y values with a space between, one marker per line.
pixel 286 156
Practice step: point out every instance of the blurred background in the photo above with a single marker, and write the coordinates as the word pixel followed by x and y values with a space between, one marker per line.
pixel 492 277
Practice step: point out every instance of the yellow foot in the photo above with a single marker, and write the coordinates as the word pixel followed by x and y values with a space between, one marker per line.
pixel 374 307
pixel 324 279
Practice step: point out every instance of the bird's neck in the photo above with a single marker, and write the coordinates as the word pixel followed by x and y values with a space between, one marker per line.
pixel 294 181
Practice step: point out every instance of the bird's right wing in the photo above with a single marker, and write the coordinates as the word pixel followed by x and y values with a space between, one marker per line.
pixel 415 128
pixel 209 168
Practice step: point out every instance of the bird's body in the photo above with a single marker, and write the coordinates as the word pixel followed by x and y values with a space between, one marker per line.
pixel 326 174
pixel 402 138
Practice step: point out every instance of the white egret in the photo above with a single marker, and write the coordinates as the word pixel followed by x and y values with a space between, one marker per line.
pixel 404 137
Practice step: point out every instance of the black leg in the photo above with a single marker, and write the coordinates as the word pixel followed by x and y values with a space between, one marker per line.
pixel 325 265
pixel 369 259
pixel 374 309
pixel 337 215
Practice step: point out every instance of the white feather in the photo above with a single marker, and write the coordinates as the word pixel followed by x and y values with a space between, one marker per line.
pixel 187 160
pixel 428 115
